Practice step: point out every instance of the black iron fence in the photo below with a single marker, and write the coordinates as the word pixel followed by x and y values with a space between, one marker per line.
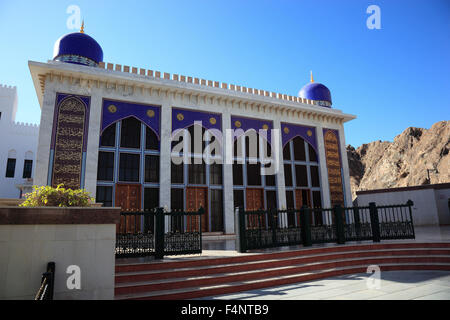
pixel 158 233
pixel 45 291
pixel 274 228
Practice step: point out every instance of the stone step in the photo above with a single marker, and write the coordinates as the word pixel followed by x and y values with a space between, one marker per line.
pixel 140 276
pixel 195 277
pixel 261 273
pixel 246 285
pixel 123 266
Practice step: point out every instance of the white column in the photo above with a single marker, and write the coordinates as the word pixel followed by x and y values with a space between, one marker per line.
pixel 345 168
pixel 165 159
pixel 323 169
pixel 281 188
pixel 228 198
pixel 45 135
pixel 90 170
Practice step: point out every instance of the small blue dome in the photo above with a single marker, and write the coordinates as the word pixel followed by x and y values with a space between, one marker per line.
pixel 316 91
pixel 78 48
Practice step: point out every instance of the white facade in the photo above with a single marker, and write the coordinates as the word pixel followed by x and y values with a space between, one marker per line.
pixel 175 91
pixel 17 141
pixel 431 202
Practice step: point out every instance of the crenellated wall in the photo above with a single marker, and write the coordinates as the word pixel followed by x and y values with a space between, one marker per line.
pixel 8 102
pixel 18 141
pixel 204 82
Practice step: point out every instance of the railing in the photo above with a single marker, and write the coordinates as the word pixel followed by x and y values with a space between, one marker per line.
pixel 45 291
pixel 274 228
pixel 158 233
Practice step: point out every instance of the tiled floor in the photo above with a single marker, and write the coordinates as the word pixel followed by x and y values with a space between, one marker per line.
pixel 393 285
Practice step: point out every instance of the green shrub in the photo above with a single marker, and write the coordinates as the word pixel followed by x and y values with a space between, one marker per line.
pixel 48 196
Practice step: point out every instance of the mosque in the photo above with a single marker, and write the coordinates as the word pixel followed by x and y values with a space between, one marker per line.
pixel 113 129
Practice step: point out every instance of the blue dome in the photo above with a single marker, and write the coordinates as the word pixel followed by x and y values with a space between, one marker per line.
pixel 78 48
pixel 316 91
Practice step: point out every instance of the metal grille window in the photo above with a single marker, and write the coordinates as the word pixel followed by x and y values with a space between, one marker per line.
pixel 151 139
pixel 238 198
pixel 237 175
pixel 151 168
pixel 176 199
pixel 130 133
pixel 299 149
pixel 10 168
pixel 197 173
pixel 215 173
pixel 104 195
pixel 301 175
pixel 253 174
pixel 177 173
pixel 27 168
pixel 108 137
pixel 129 167
pixel 105 169
pixel 216 210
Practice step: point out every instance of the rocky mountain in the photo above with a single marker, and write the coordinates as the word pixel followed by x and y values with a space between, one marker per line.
pixel 403 162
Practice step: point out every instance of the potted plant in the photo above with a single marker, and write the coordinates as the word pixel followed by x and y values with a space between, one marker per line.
pixel 47 196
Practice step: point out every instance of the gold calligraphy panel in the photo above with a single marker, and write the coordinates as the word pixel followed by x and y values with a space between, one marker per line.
pixel 334 168
pixel 68 155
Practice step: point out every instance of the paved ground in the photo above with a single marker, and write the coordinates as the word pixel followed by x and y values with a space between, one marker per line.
pixel 394 285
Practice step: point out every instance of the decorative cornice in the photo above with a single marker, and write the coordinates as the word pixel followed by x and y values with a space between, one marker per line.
pixel 165 84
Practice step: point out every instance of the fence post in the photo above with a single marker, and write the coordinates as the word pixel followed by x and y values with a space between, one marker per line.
pixel 51 284
pixel 159 233
pixel 274 223
pixel 357 220
pixel 340 227
pixel 201 212
pixel 374 222
pixel 305 226
pixel 410 203
pixel 240 230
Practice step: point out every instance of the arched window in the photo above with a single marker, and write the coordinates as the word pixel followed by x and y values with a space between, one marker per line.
pixel 198 181
pixel 151 139
pixel 130 133
pixel 129 155
pixel 302 177
pixel 108 137
pixel 254 187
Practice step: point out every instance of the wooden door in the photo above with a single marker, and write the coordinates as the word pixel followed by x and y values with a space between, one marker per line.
pixel 128 197
pixel 197 197
pixel 255 201
pixel 302 197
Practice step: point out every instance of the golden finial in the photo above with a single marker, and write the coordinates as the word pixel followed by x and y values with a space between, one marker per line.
pixel 312 79
pixel 82 27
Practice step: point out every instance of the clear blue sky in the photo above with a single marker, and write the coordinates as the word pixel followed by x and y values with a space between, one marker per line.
pixel 391 78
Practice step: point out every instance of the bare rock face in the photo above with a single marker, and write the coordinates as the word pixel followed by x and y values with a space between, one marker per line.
pixel 403 162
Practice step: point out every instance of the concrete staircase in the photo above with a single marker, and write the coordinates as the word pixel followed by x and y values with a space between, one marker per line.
pixel 201 277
